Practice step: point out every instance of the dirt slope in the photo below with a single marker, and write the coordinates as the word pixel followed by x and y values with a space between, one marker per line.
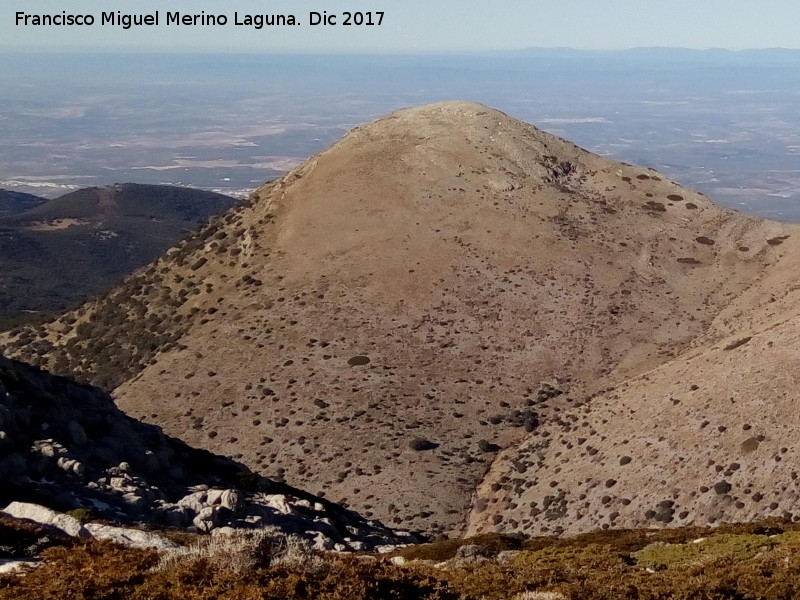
pixel 492 275
pixel 709 437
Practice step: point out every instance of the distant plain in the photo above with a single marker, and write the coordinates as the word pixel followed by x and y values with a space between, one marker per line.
pixel 723 123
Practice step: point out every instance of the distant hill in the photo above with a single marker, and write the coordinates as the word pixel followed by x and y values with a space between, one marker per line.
pixel 443 293
pixel 60 252
pixel 670 55
pixel 12 202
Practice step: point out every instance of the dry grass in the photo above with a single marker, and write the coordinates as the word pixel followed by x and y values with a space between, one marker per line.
pixel 268 566
pixel 246 550
pixel 539 596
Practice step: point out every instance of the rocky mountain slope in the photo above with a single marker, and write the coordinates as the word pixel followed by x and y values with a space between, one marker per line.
pixel 61 252
pixel 709 437
pixel 440 286
pixel 68 447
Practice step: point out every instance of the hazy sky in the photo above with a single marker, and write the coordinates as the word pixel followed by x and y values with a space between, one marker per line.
pixel 422 25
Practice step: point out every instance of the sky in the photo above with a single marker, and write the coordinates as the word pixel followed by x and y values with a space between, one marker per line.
pixel 417 26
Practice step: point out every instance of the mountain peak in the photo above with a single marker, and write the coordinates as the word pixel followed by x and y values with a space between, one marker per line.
pixel 429 290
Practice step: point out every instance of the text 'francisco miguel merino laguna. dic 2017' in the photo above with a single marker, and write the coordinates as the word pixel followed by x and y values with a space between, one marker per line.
pixel 258 21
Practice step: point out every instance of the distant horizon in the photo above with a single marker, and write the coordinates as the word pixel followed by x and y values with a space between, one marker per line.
pixel 488 52
pixel 721 122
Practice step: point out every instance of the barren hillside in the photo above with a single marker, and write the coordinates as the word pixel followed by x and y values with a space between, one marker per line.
pixel 441 283
pixel 709 437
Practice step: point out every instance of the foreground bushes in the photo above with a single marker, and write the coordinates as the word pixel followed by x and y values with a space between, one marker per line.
pixel 240 568
pixel 736 562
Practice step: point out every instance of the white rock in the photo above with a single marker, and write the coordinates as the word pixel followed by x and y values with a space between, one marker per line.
pixel 277 502
pixel 130 537
pixel 403 533
pixel 15 566
pixel 49 448
pixel 230 499
pixel 119 484
pixel 45 516
pixel 194 502
pixel 254 520
pixel 398 560
pixel 206 519
pixel 71 466
pixel 320 541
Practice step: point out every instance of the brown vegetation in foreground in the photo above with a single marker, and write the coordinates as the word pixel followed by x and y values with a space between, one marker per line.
pixel 756 561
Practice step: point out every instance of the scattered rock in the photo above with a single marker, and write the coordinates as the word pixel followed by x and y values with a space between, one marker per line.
pixel 69 446
pixel 130 537
pixel 45 516
pixel 8 566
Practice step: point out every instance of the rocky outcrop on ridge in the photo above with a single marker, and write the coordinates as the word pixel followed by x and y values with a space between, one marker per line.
pixel 67 447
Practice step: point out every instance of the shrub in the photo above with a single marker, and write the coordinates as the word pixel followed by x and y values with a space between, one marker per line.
pixel 84 515
pixel 244 551
pixel 486 446
pixel 722 487
pixel 418 444
pixel 739 546
pixel 357 361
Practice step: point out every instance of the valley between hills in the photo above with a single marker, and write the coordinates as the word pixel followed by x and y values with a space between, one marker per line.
pixel 54 254
pixel 455 323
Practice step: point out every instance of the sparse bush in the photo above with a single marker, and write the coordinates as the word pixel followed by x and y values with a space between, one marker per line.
pixel 722 487
pixel 244 551
pixel 755 560
pixel 84 515
pixel 741 546
pixel 418 444
pixel 486 446
pixel 357 361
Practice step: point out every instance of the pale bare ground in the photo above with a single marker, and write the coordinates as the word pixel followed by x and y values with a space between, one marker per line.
pixel 56 224
pixel 505 286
